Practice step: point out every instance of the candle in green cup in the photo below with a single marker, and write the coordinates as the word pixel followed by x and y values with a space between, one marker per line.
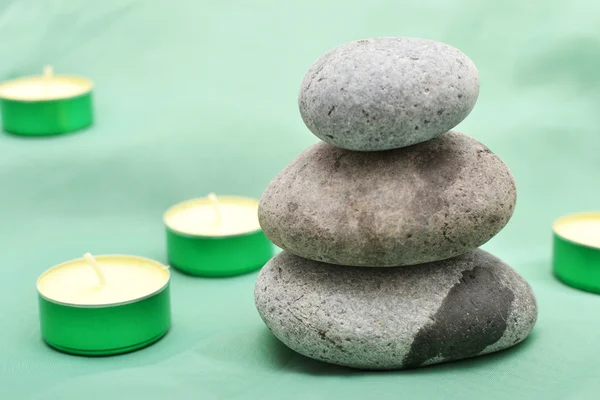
pixel 46 105
pixel 104 305
pixel 216 236
pixel 576 250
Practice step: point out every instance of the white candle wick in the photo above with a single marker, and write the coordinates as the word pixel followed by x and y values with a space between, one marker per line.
pixel 48 71
pixel 216 207
pixel 92 262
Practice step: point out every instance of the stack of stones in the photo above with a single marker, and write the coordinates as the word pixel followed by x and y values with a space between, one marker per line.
pixel 380 222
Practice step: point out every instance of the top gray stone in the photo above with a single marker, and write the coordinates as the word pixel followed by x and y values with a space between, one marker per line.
pixel 387 93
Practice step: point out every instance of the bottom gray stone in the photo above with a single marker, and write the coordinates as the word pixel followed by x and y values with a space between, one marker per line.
pixel 391 318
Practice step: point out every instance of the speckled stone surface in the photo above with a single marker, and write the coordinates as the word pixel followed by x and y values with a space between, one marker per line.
pixel 389 318
pixel 426 202
pixel 387 93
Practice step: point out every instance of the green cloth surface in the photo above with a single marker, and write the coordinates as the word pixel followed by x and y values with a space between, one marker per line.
pixel 200 96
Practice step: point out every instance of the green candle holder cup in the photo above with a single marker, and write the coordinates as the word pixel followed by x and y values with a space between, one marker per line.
pixel 104 329
pixel 576 251
pixel 46 105
pixel 212 255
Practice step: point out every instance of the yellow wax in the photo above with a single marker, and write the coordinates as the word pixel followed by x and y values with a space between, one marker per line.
pixel 127 278
pixel 38 88
pixel 580 228
pixel 235 216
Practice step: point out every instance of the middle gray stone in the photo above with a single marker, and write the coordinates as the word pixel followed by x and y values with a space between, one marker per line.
pixel 417 204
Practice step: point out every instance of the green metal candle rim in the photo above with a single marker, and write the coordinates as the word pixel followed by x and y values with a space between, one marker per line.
pixel 46 114
pixel 105 305
pixel 193 235
pixel 216 255
pixel 47 117
pixel 576 264
pixel 107 330
pixel 48 100
pixel 109 352
pixel 207 236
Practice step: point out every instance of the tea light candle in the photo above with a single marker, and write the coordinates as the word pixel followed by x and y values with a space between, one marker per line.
pixel 46 105
pixel 576 251
pixel 216 236
pixel 104 305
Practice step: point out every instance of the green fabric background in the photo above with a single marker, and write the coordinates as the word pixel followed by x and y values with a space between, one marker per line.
pixel 199 96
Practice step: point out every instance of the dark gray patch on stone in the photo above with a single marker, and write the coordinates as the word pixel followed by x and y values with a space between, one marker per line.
pixel 388 318
pixel 456 330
